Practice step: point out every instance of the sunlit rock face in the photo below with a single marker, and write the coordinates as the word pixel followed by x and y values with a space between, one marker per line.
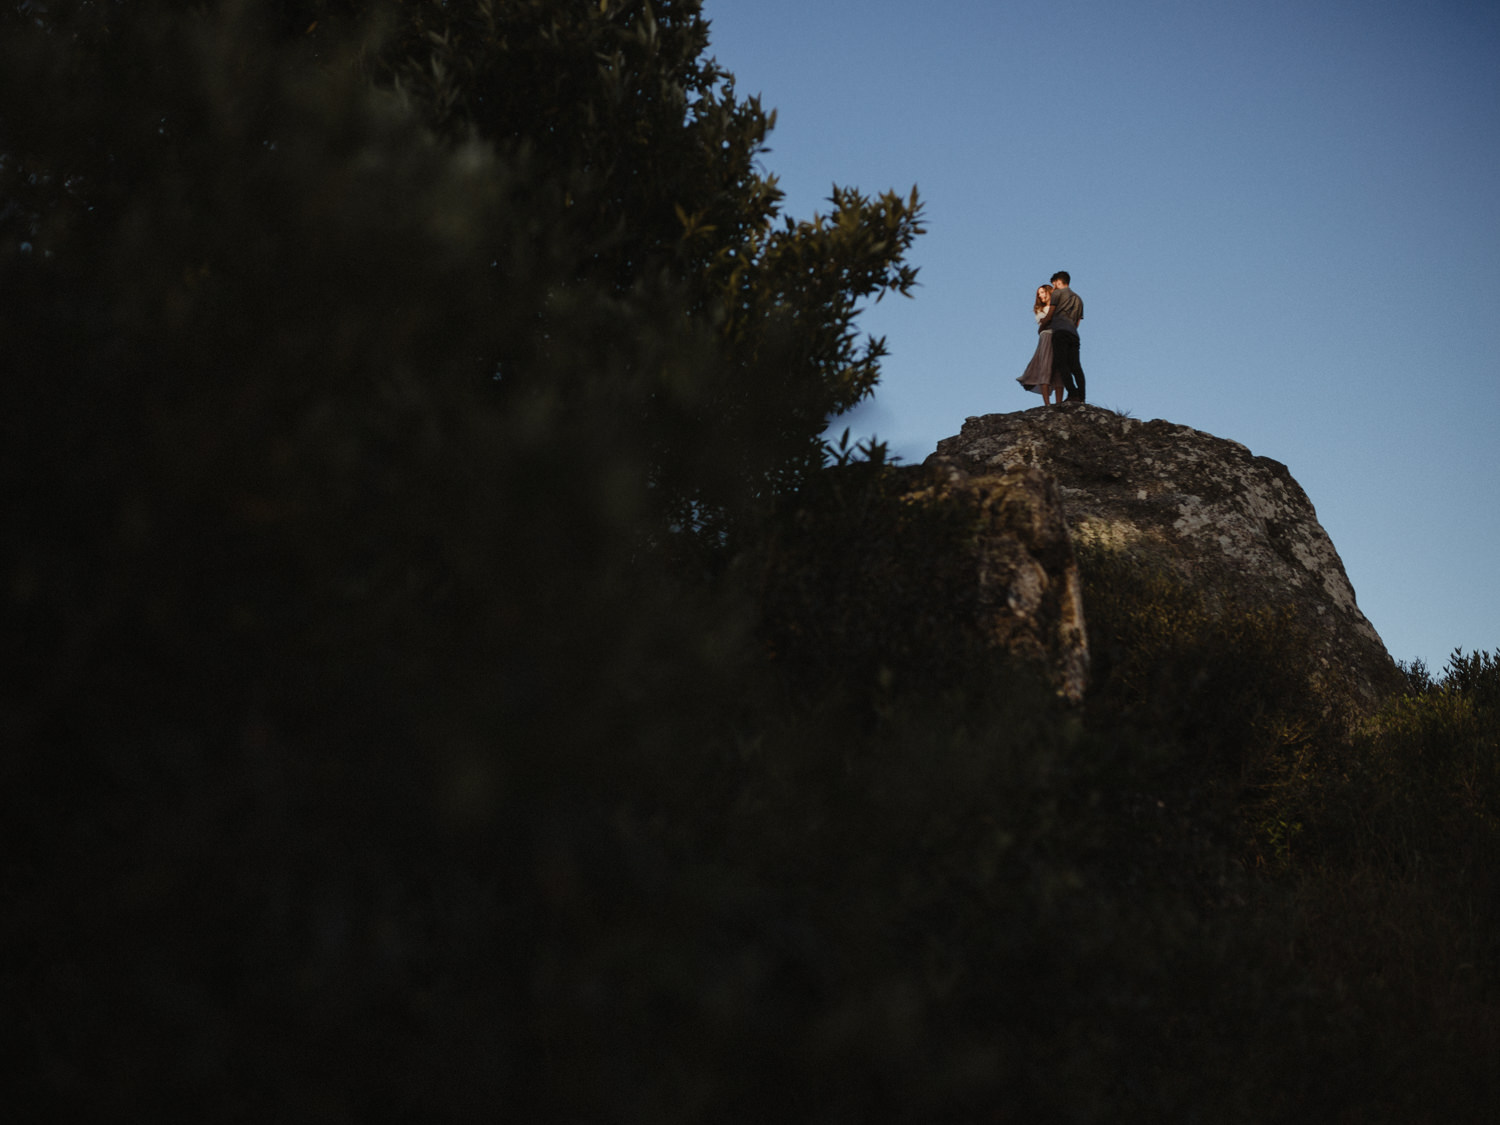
pixel 1236 526
pixel 1029 593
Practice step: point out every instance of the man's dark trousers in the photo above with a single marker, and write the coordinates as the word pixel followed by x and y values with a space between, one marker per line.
pixel 1066 365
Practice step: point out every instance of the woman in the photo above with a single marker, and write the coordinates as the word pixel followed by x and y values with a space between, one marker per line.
pixel 1038 374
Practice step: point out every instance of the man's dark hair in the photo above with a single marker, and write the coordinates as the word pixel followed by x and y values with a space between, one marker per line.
pixel 1062 275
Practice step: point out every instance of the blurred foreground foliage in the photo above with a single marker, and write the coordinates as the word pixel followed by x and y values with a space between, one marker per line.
pixel 863 593
pixel 1366 843
pixel 442 682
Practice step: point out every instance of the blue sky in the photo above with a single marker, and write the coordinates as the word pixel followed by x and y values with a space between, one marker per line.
pixel 1284 220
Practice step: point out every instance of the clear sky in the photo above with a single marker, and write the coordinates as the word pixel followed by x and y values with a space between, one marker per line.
pixel 1284 221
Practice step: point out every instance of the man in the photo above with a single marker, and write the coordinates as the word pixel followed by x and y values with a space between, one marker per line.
pixel 1064 317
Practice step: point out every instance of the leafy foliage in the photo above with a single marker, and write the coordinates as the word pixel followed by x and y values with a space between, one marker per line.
pixel 656 159
pixel 864 590
pixel 1232 682
pixel 1371 843
pixel 1394 878
pixel 630 177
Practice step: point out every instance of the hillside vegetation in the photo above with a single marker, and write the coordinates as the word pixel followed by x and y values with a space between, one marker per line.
pixel 447 677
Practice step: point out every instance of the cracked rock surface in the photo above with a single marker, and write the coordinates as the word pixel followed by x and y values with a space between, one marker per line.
pixel 1236 526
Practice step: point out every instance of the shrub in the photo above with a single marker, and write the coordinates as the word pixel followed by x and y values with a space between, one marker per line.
pixel 1228 682
pixel 866 591
pixel 1394 884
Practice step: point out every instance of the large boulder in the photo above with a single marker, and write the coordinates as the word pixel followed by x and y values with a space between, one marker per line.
pixel 1235 526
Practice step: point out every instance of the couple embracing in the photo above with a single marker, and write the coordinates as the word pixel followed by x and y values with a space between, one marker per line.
pixel 1055 367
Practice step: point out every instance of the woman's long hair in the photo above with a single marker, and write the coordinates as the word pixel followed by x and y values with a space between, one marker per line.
pixel 1040 304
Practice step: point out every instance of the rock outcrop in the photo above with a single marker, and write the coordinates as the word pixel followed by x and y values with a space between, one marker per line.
pixel 1235 526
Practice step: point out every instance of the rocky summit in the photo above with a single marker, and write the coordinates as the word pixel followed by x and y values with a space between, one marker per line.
pixel 1236 527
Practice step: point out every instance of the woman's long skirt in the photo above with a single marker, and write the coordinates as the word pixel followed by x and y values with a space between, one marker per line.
pixel 1038 373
